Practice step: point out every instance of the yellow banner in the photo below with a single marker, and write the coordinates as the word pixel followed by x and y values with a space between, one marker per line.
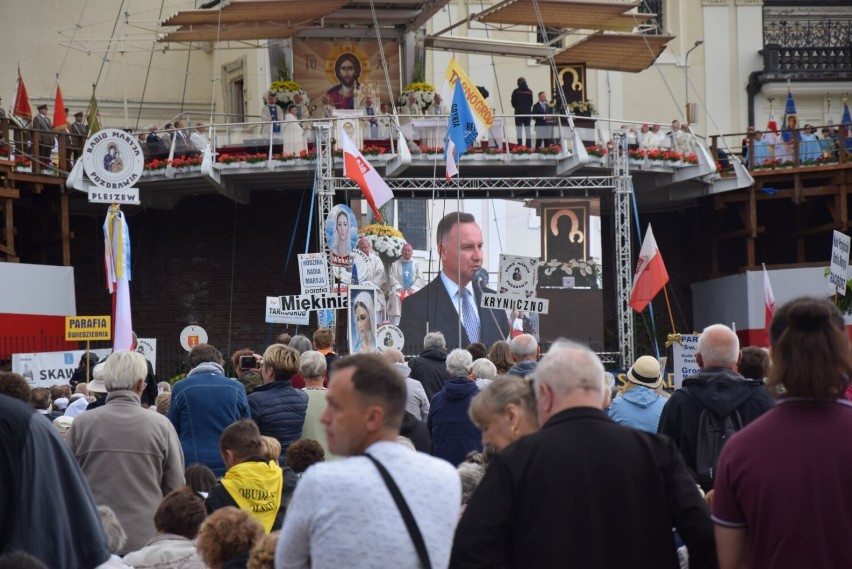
pixel 83 328
pixel 477 102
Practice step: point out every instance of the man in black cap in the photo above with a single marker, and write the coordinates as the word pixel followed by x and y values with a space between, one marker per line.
pixel 78 132
pixel 42 123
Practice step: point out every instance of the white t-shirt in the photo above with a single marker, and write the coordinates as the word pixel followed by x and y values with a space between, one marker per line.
pixel 342 514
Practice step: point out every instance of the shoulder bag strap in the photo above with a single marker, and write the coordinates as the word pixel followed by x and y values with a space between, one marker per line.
pixel 410 522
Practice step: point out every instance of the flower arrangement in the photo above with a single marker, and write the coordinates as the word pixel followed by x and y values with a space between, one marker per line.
pixel 521 149
pixel 4 151
pixel 308 154
pixel 586 272
pixel 552 149
pixel 423 92
pixel 598 151
pixel 636 154
pixel 285 92
pixel 671 156
pixel 23 162
pixel 582 108
pixel 432 149
pixel 372 151
pixel 284 157
pixel 386 241
pixel 690 158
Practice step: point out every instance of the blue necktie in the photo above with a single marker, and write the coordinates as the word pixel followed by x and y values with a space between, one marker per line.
pixel 470 319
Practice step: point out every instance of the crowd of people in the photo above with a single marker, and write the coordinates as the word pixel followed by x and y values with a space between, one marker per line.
pixel 525 460
pixel 806 143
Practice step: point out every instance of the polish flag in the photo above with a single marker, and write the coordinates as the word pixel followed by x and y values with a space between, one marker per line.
pixel 60 119
pixel 768 302
pixel 651 275
pixel 359 169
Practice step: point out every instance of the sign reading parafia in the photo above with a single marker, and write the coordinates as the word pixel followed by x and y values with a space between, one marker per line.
pixel 87 328
pixel 684 358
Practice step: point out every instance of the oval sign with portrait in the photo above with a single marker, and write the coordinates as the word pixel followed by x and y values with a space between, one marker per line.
pixel 341 234
pixel 113 159
pixel 389 337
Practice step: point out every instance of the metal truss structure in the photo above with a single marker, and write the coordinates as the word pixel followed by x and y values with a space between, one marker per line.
pixel 623 253
pixel 487 187
pixel 508 188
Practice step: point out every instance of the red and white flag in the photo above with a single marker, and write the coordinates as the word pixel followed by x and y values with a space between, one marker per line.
pixel 21 101
pixel 452 168
pixel 768 301
pixel 651 275
pixel 60 119
pixel 359 169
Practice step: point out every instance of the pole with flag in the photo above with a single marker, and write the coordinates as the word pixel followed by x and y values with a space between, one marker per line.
pixel 21 101
pixel 358 169
pixel 768 302
pixel 845 129
pixel 117 261
pixel 93 117
pixel 461 131
pixel 791 118
pixel 650 276
pixel 60 119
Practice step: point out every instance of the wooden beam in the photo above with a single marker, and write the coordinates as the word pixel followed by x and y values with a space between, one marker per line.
pixel 9 229
pixel 11 193
pixel 66 229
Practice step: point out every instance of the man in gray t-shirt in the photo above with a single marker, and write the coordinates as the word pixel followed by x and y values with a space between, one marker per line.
pixel 342 513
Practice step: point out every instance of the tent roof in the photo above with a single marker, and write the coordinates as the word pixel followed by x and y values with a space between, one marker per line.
pixel 616 52
pixel 277 19
pixel 573 14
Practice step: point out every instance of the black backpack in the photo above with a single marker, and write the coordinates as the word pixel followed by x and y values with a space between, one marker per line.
pixel 713 432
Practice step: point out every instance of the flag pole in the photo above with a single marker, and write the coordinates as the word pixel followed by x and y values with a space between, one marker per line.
pixel 669 306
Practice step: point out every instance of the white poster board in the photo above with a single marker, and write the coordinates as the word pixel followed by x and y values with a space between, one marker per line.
pixel 839 261
pixel 684 359
pixel 275 314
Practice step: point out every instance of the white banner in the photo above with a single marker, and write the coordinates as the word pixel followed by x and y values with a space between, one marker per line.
pixel 50 368
pixel 277 315
pixel 684 359
pixel 511 302
pixel 129 196
pixel 56 368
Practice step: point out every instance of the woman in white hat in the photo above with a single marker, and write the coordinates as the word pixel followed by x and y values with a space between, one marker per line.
pixel 640 402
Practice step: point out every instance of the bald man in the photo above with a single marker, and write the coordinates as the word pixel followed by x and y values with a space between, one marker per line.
pixel 719 388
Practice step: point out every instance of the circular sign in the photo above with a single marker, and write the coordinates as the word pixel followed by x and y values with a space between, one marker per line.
pixel 191 336
pixel 361 265
pixel 113 159
pixel 389 337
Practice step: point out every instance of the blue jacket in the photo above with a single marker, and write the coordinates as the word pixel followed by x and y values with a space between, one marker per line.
pixel 279 411
pixel 202 406
pixel 453 433
pixel 523 369
pixel 639 407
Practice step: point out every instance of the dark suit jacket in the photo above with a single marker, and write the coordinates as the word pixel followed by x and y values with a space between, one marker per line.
pixel 550 499
pixel 432 304
pixel 541 114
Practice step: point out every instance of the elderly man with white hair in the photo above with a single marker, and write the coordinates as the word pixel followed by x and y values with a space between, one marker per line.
pixel 553 495
pixel 453 433
pixel 131 457
pixel 717 388
pixel 525 352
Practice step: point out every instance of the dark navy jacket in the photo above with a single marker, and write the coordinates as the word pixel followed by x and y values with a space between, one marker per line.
pixel 279 411
pixel 453 433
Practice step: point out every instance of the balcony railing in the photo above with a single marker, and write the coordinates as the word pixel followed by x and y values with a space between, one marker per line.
pixel 814 46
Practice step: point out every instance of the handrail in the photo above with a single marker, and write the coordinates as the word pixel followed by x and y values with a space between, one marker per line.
pixel 840 150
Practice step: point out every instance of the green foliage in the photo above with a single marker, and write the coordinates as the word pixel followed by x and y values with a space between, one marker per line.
pixel 283 70
pixel 419 71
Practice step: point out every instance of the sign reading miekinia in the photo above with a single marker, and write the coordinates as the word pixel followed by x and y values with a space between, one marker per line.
pixel 113 159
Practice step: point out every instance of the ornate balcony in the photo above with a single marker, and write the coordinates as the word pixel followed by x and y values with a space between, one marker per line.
pixel 806 44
